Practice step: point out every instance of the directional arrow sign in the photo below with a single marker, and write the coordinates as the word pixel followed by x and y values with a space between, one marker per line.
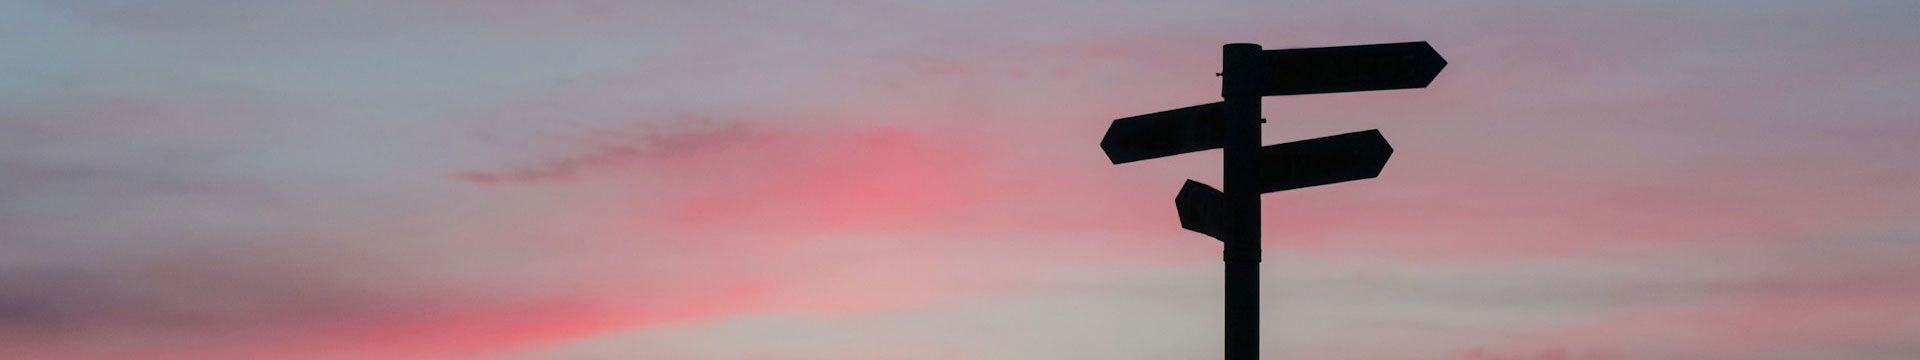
pixel 1349 68
pixel 1202 209
pixel 1315 162
pixel 1165 133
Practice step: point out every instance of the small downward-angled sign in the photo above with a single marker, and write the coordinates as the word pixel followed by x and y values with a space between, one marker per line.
pixel 1348 68
pixel 1203 209
pixel 1165 133
pixel 1320 161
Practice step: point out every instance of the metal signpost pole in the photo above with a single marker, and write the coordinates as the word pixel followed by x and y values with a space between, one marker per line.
pixel 1239 75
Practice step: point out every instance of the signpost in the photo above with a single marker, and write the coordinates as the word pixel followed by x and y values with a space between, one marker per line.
pixel 1233 215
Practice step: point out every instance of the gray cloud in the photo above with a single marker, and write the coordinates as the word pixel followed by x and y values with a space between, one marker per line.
pixel 627 145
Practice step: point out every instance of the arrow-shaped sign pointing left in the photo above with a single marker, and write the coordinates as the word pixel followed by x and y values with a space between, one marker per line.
pixel 1166 133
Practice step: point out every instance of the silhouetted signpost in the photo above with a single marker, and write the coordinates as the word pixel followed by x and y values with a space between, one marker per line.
pixel 1233 216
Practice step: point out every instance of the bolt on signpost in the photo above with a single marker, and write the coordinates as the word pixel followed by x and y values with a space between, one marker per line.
pixel 1233 125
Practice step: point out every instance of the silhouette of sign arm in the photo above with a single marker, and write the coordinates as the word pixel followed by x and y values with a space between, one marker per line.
pixel 1349 68
pixel 1166 133
pixel 1321 161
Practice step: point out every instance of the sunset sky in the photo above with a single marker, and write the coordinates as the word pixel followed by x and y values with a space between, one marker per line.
pixel 872 180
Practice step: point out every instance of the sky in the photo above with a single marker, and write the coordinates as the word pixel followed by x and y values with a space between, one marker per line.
pixel 686 180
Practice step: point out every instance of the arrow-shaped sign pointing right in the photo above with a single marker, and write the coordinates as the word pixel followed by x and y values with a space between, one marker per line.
pixel 1349 68
pixel 1314 162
